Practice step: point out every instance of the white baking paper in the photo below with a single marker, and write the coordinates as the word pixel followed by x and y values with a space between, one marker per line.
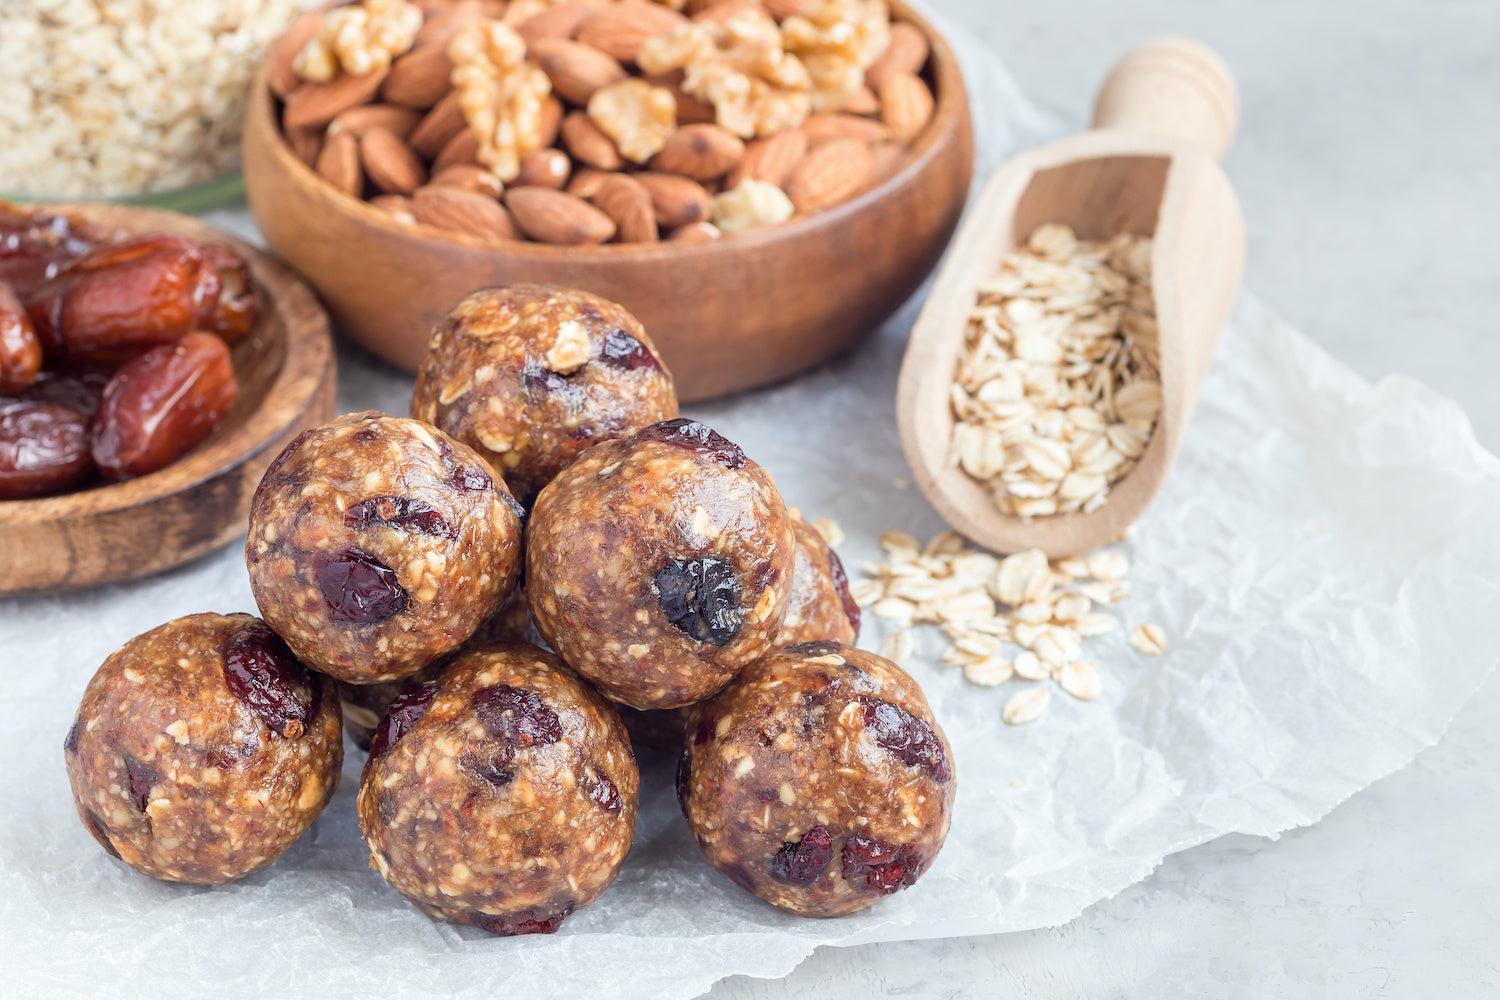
pixel 1323 559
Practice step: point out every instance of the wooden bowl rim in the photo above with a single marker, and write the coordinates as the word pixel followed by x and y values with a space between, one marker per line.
pixel 951 104
pixel 295 382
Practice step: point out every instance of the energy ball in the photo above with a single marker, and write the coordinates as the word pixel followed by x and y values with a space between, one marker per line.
pixel 821 606
pixel 378 544
pixel 503 795
pixel 818 780
pixel 203 749
pixel 659 565
pixel 530 375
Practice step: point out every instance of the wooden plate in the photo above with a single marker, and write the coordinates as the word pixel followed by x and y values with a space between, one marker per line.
pixel 142 526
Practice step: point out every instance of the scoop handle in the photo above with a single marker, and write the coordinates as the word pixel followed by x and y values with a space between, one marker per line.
pixel 1172 86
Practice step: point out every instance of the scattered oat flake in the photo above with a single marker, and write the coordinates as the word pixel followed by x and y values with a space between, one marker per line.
pixel 1148 639
pixel 1080 679
pixel 990 671
pixel 897 646
pixel 1026 706
pixel 830 530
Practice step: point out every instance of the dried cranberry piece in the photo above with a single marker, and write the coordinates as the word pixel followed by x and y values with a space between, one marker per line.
pixel 226 755
pixel 358 587
pixel 597 786
pixel 472 479
pixel 817 647
pixel 697 438
pixel 264 674
pixel 841 583
pixel 406 513
pixel 101 834
pixel 526 922
pixel 705 731
pixel 495 769
pixel 702 598
pixel 142 776
pixel 803 862
pixel 884 867
pixel 70 742
pixel 406 708
pixel 516 717
pixel 903 734
pixel 539 381
pixel 624 351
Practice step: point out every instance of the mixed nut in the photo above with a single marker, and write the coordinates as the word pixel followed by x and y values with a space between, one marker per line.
pixel 592 121
pixel 114 351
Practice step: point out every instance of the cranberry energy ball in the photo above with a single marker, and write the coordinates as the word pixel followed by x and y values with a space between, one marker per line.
pixel 530 375
pixel 818 780
pixel 377 544
pixel 821 606
pixel 504 795
pixel 203 749
pixel 659 565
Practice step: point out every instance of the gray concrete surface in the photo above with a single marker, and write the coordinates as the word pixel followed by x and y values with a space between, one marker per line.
pixel 1368 162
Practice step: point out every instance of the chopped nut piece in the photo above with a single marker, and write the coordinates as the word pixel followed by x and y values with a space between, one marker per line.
pixel 360 39
pixel 1148 639
pixel 837 40
pixel 636 115
pixel 501 93
pixel 754 203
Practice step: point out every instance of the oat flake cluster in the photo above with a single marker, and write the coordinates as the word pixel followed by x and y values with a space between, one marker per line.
pixel 104 98
pixel 1059 386
pixel 1020 616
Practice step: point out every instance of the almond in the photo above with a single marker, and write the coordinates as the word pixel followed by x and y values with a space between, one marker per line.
pixel 551 120
pixel 548 168
pixel 862 102
pixel 555 217
pixel 619 29
pixel 306 143
pixel 905 106
pixel 823 128
pixel 355 121
pixel 626 201
pixel 390 163
pixel 461 211
pixel 771 159
pixel 397 206
pixel 438 127
pixel 561 20
pixel 319 103
pixel 338 163
pixel 907 53
pixel 830 175
pixel 420 78
pixel 585 182
pixel 576 70
pixel 462 148
pixel 468 177
pixel 444 20
pixel 701 152
pixel 886 159
pixel 588 143
pixel 697 232
pixel 678 201
pixel 782 9
pixel 280 76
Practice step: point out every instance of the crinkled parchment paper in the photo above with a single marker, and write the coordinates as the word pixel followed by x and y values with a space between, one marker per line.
pixel 1323 558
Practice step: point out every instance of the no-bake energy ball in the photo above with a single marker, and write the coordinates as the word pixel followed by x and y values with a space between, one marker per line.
pixel 818 780
pixel 531 375
pixel 821 606
pixel 377 544
pixel 203 749
pixel 504 795
pixel 661 564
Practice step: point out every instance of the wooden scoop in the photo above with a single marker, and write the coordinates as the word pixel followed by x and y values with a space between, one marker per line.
pixel 1164 116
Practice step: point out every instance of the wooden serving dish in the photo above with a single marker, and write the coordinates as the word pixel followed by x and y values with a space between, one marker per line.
pixel 142 526
pixel 737 313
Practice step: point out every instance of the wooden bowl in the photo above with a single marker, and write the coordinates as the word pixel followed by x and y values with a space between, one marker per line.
pixel 142 526
pixel 741 312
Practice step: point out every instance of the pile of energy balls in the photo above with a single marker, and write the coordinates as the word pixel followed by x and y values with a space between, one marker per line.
pixel 668 593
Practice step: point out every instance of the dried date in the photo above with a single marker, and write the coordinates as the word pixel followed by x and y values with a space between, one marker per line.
pixel 161 405
pixel 20 348
pixel 44 449
pixel 235 308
